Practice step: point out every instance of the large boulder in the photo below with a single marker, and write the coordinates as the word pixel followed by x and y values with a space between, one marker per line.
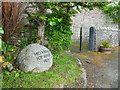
pixel 35 58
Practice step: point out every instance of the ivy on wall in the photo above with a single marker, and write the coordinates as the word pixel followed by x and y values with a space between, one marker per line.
pixel 58 32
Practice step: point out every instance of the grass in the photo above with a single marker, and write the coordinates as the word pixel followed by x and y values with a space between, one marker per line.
pixel 64 71
pixel 76 46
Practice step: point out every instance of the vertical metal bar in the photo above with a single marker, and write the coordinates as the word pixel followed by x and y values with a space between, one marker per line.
pixel 92 38
pixel 80 39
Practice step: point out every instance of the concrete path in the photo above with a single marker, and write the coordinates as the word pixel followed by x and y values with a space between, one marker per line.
pixel 102 77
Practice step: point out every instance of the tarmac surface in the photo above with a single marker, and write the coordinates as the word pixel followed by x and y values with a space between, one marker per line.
pixel 101 77
pixel 104 77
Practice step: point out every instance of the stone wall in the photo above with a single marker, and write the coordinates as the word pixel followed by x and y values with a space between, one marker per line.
pixel 86 19
pixel 108 34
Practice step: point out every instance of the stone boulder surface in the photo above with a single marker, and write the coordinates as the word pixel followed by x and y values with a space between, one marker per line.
pixel 34 58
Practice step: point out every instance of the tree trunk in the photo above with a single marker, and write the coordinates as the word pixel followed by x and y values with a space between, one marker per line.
pixel 12 19
pixel 41 30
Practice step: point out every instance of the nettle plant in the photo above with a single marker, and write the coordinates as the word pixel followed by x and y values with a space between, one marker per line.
pixel 58 32
pixel 7 60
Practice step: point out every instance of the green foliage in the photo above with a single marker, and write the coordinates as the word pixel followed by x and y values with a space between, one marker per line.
pixel 65 70
pixel 58 22
pixel 9 52
pixel 9 57
pixel 9 68
pixel 111 10
pixel 1 42
pixel 34 37
pixel 11 78
pixel 1 45
pixel 58 32
pixel 105 44
pixel 8 48
pixel 1 30
pixel 29 40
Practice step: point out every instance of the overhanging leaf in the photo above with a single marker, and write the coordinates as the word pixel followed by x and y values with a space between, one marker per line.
pixel 1 30
pixel 43 18
pixel 0 45
pixel 52 23
pixel 60 19
pixel 78 9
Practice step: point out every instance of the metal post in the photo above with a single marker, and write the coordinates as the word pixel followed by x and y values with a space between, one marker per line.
pixel 92 38
pixel 80 39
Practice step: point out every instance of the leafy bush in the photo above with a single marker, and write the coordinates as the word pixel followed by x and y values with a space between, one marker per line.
pixel 9 53
pixel 9 68
pixel 58 32
pixel 111 10
pixel 28 40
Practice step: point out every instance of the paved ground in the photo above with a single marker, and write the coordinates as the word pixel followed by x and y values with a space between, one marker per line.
pixel 101 77
pixel 104 77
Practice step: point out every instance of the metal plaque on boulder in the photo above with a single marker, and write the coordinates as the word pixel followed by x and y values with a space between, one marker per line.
pixel 35 58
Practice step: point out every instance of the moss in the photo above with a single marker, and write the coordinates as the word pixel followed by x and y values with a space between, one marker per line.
pixel 97 58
